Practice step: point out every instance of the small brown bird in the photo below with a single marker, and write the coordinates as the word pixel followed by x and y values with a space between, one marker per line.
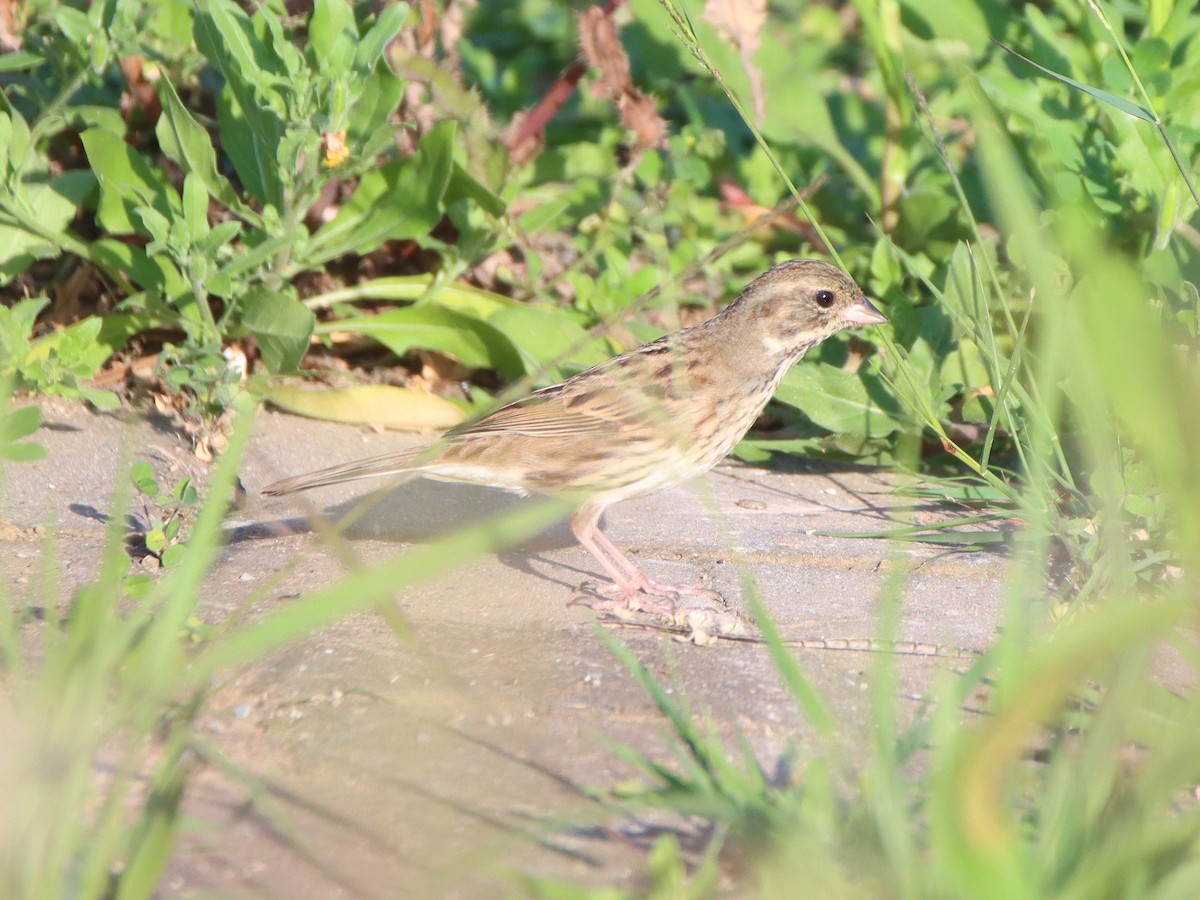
pixel 653 417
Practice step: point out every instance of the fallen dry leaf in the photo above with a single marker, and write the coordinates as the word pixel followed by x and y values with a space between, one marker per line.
pixel 604 52
pixel 383 404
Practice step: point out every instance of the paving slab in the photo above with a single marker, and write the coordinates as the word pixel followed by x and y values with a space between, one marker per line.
pixel 438 762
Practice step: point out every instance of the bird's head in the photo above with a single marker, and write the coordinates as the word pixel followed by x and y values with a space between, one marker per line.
pixel 797 304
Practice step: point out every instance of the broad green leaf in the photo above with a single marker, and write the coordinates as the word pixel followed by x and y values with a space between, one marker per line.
pixel 98 397
pixel 465 186
pixel 154 224
pixel 87 116
pixel 16 60
pixel 332 35
pixel 126 182
pixel 75 25
pixel 549 336
pixel 281 324
pixel 142 475
pixel 77 347
pixel 172 21
pixel 54 203
pixel 225 35
pixel 153 273
pixel 255 254
pixel 1125 106
pixel 20 422
pixel 155 540
pixel 195 208
pixel 16 327
pixel 17 140
pixel 544 215
pixel 841 401
pixel 15 425
pixel 251 131
pixel 25 452
pixel 220 235
pixel 186 142
pixel 472 342
pixel 379 404
pixel 401 199
pixel 251 140
pixel 374 42
pixel 951 21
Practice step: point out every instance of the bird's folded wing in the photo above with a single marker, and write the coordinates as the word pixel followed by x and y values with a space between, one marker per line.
pixel 564 410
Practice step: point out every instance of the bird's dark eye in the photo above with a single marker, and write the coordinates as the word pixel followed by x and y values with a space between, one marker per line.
pixel 825 299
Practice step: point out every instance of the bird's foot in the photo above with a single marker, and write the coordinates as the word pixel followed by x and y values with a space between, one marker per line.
pixel 623 602
pixel 701 624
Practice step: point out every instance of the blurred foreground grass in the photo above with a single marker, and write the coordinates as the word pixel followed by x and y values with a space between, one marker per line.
pixel 1057 765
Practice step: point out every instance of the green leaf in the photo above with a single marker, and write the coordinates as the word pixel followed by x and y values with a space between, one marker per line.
pixel 19 141
pixel 16 60
pixel 543 215
pixel 142 476
pixel 281 324
pixel 54 203
pixel 156 540
pixel 154 224
pixel 1125 106
pixel 251 130
pixel 370 130
pixel 126 182
pixel 77 347
pixel 75 25
pixel 16 328
pixel 841 401
pixel 184 493
pixel 16 424
pixel 27 452
pixel 472 342
pixel 401 199
pixel 374 42
pixel 153 273
pixel 465 186
pixel 195 208
pixel 332 35
pixel 99 397
pixel 186 142
pixel 20 423
pixel 250 141
pixel 171 556
pixel 549 336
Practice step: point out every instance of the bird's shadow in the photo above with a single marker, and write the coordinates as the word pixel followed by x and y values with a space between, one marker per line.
pixel 417 511
pixel 420 511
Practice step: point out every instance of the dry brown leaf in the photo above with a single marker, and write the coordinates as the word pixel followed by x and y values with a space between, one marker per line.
pixel 639 114
pixel 740 22
pixel 604 52
pixel 10 34
pixel 602 48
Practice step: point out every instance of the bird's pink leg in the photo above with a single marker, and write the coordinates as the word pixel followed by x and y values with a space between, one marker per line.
pixel 627 578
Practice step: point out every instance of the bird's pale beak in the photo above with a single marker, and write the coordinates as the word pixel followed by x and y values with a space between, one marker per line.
pixel 863 313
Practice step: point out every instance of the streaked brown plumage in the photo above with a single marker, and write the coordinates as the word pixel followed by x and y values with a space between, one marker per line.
pixel 658 415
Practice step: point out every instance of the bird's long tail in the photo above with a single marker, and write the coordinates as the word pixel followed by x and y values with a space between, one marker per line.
pixel 388 464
